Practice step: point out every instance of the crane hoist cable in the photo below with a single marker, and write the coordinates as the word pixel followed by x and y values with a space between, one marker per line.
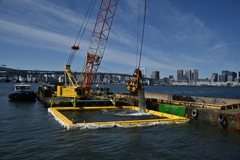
pixel 137 32
pixel 74 48
pixel 135 83
pixel 83 22
pixel 142 35
pixel 82 36
pixel 87 23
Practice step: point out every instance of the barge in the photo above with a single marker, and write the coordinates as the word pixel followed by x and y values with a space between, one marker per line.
pixel 220 112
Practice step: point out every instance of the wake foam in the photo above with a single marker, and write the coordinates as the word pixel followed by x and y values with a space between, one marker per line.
pixel 132 113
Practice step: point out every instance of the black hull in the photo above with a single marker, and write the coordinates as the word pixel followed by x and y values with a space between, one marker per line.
pixel 22 96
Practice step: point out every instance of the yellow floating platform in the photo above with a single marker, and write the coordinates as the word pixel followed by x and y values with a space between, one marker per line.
pixel 168 118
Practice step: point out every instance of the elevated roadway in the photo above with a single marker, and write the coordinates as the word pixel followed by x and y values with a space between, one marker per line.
pixel 44 75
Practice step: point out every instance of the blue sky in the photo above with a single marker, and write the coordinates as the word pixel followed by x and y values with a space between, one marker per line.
pixel 179 34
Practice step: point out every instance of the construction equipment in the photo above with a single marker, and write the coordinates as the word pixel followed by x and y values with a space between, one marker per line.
pixel 95 52
pixel 99 40
pixel 135 83
pixel 74 89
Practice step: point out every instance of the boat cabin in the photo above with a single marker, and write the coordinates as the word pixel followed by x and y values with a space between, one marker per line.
pixel 22 87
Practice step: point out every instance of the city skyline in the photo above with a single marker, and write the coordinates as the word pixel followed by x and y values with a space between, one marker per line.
pixel 38 34
pixel 179 75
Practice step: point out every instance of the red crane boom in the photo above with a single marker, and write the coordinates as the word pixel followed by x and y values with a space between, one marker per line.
pixel 99 40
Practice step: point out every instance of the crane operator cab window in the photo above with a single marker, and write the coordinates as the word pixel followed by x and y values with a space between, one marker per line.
pixel 80 91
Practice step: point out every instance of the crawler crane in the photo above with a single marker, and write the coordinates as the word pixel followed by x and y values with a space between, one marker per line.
pixel 94 55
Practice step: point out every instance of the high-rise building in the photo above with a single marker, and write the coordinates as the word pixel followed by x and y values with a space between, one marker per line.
pixel 189 74
pixel 214 77
pixel 179 74
pixel 221 78
pixel 171 77
pixel 155 75
pixel 233 74
pixel 195 73
pixel 184 78
pixel 226 75
pixel 230 78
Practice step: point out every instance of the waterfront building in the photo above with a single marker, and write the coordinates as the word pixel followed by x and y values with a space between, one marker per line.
pixel 214 77
pixel 99 77
pixel 127 78
pixel 165 79
pixel 192 75
pixel 230 78
pixel 195 73
pixel 105 80
pixel 179 74
pixel 155 75
pixel 122 78
pixel 115 79
pixel 236 79
pixel 184 78
pixel 108 76
pixel 171 77
pixel 221 78
pixel 226 75
pixel 189 74
pixel 233 74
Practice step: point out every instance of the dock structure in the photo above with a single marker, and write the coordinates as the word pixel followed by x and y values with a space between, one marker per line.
pixel 221 112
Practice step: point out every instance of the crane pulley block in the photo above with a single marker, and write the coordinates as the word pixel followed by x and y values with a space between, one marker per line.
pixel 75 47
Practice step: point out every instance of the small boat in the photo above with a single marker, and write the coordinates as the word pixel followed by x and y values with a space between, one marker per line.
pixel 47 90
pixel 22 93
pixel 103 90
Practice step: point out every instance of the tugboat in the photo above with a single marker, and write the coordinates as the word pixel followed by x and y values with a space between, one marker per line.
pixel 22 93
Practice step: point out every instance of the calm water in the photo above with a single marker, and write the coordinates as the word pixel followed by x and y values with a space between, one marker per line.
pixel 28 131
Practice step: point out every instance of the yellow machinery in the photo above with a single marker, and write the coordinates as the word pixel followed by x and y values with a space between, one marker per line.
pixel 73 90
pixel 135 82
